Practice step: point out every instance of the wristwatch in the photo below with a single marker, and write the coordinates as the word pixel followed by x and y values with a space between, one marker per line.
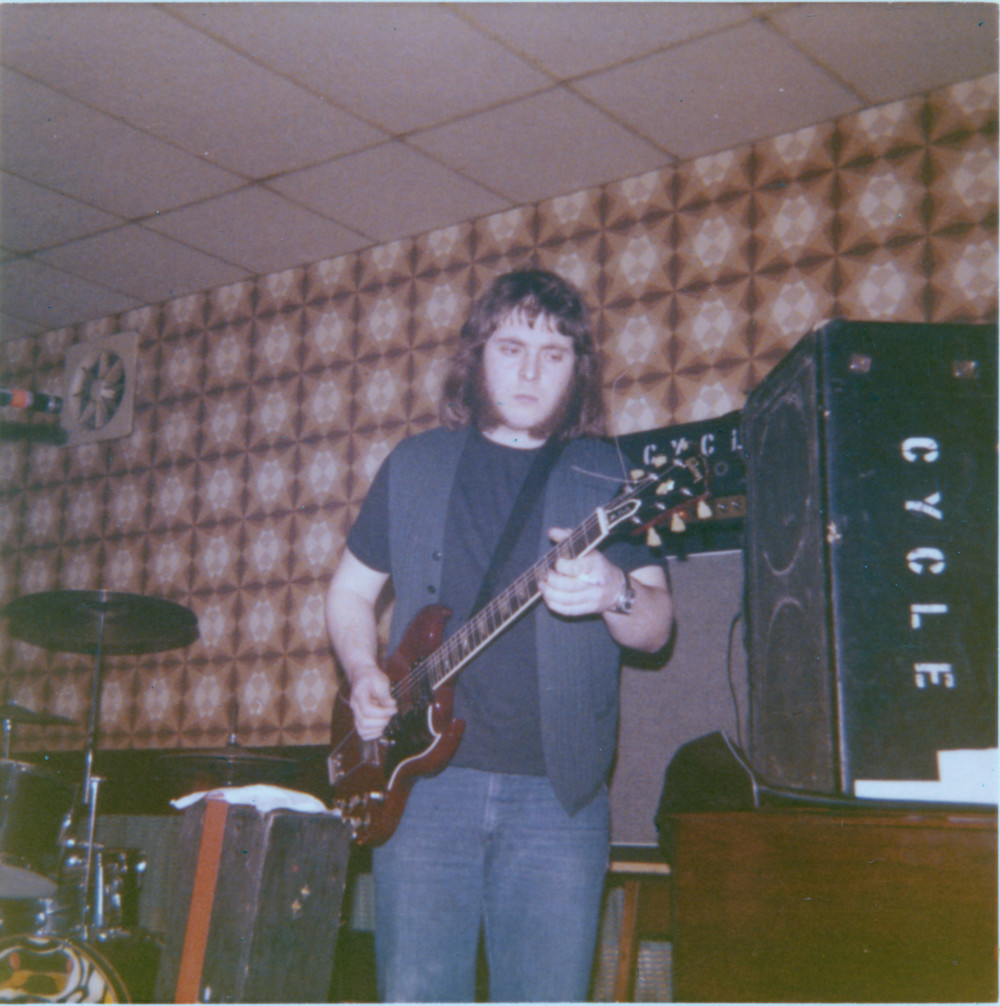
pixel 626 599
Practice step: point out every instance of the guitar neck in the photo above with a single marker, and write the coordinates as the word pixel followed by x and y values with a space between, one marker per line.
pixel 456 651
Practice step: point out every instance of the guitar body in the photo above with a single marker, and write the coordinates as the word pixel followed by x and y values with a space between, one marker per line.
pixel 372 779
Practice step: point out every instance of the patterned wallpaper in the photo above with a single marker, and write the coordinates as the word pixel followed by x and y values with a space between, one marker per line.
pixel 263 409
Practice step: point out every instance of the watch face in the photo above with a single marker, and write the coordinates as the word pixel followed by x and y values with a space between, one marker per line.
pixel 626 600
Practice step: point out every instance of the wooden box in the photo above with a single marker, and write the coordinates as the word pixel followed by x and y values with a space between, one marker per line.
pixel 255 906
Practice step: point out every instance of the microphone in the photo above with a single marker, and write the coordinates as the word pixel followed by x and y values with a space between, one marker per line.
pixel 30 401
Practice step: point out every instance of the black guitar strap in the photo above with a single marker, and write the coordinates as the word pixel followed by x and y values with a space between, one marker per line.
pixel 531 489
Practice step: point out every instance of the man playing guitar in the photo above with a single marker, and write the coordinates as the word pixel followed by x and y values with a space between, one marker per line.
pixel 511 837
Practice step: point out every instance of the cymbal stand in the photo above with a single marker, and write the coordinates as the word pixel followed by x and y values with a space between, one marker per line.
pixel 95 709
pixel 8 726
pixel 97 916
pixel 91 786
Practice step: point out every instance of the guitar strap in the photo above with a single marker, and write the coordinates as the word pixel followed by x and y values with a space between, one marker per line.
pixel 531 489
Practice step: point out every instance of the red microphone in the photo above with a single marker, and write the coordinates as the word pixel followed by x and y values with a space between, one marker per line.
pixel 30 401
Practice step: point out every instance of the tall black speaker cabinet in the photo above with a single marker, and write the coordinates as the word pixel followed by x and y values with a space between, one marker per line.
pixel 871 561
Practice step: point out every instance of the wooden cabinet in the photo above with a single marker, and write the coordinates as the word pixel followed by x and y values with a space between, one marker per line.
pixel 823 906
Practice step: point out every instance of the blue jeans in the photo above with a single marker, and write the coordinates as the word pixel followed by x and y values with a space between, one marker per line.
pixel 477 848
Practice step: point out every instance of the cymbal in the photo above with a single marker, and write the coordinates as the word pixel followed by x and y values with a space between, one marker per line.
pixel 12 712
pixel 231 764
pixel 77 621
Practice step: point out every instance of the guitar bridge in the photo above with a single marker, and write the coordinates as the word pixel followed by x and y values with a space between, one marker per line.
pixel 356 811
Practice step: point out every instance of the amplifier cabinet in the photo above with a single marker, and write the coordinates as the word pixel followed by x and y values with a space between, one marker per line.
pixel 266 931
pixel 871 555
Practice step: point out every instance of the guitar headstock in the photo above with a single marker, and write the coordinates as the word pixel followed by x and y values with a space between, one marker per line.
pixel 672 492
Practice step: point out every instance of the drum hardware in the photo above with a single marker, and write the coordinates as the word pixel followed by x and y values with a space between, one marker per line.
pixel 36 808
pixel 102 623
pixel 69 886
pixel 122 871
pixel 11 713
pixel 233 764
pixel 111 905
pixel 95 785
pixel 35 811
pixel 55 916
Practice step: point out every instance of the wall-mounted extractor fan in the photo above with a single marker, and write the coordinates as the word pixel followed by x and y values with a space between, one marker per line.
pixel 100 388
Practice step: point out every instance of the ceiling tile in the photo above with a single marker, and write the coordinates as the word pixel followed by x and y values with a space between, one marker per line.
pixel 719 92
pixel 403 66
pixel 142 264
pixel 546 145
pixel 389 192
pixel 570 40
pixel 60 143
pixel 136 62
pixel 258 230
pixel 889 51
pixel 35 291
pixel 17 328
pixel 32 217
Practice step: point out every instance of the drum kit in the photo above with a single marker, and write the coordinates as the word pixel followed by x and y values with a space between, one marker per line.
pixel 67 904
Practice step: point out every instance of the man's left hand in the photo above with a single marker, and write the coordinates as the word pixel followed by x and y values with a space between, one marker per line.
pixel 589 585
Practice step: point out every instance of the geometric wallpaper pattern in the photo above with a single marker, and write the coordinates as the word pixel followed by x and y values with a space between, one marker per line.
pixel 263 409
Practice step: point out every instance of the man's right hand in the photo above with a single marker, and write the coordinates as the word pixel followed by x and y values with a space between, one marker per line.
pixel 372 703
pixel 350 614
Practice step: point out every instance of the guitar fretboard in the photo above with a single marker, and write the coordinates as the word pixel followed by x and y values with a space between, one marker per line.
pixel 456 651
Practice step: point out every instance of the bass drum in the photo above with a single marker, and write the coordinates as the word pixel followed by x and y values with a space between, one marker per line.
pixel 56 970
pixel 35 808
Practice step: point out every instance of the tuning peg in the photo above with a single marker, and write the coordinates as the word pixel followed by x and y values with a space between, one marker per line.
pixel 653 540
pixel 659 460
pixel 665 487
pixel 677 524
pixel 636 474
pixel 704 510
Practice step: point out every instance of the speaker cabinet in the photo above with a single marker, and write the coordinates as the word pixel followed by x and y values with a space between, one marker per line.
pixel 702 687
pixel 871 554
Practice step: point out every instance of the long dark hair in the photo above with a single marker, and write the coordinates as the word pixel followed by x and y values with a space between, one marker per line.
pixel 530 293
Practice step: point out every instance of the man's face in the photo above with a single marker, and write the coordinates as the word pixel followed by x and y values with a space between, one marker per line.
pixel 528 370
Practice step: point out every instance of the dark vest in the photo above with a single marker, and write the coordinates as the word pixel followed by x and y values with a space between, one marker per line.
pixel 578 661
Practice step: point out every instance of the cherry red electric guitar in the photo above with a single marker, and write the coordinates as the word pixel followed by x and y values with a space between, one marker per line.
pixel 372 779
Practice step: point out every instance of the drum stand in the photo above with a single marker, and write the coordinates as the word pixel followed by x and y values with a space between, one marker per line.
pixel 97 622
pixel 92 906
pixel 95 713
pixel 91 912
